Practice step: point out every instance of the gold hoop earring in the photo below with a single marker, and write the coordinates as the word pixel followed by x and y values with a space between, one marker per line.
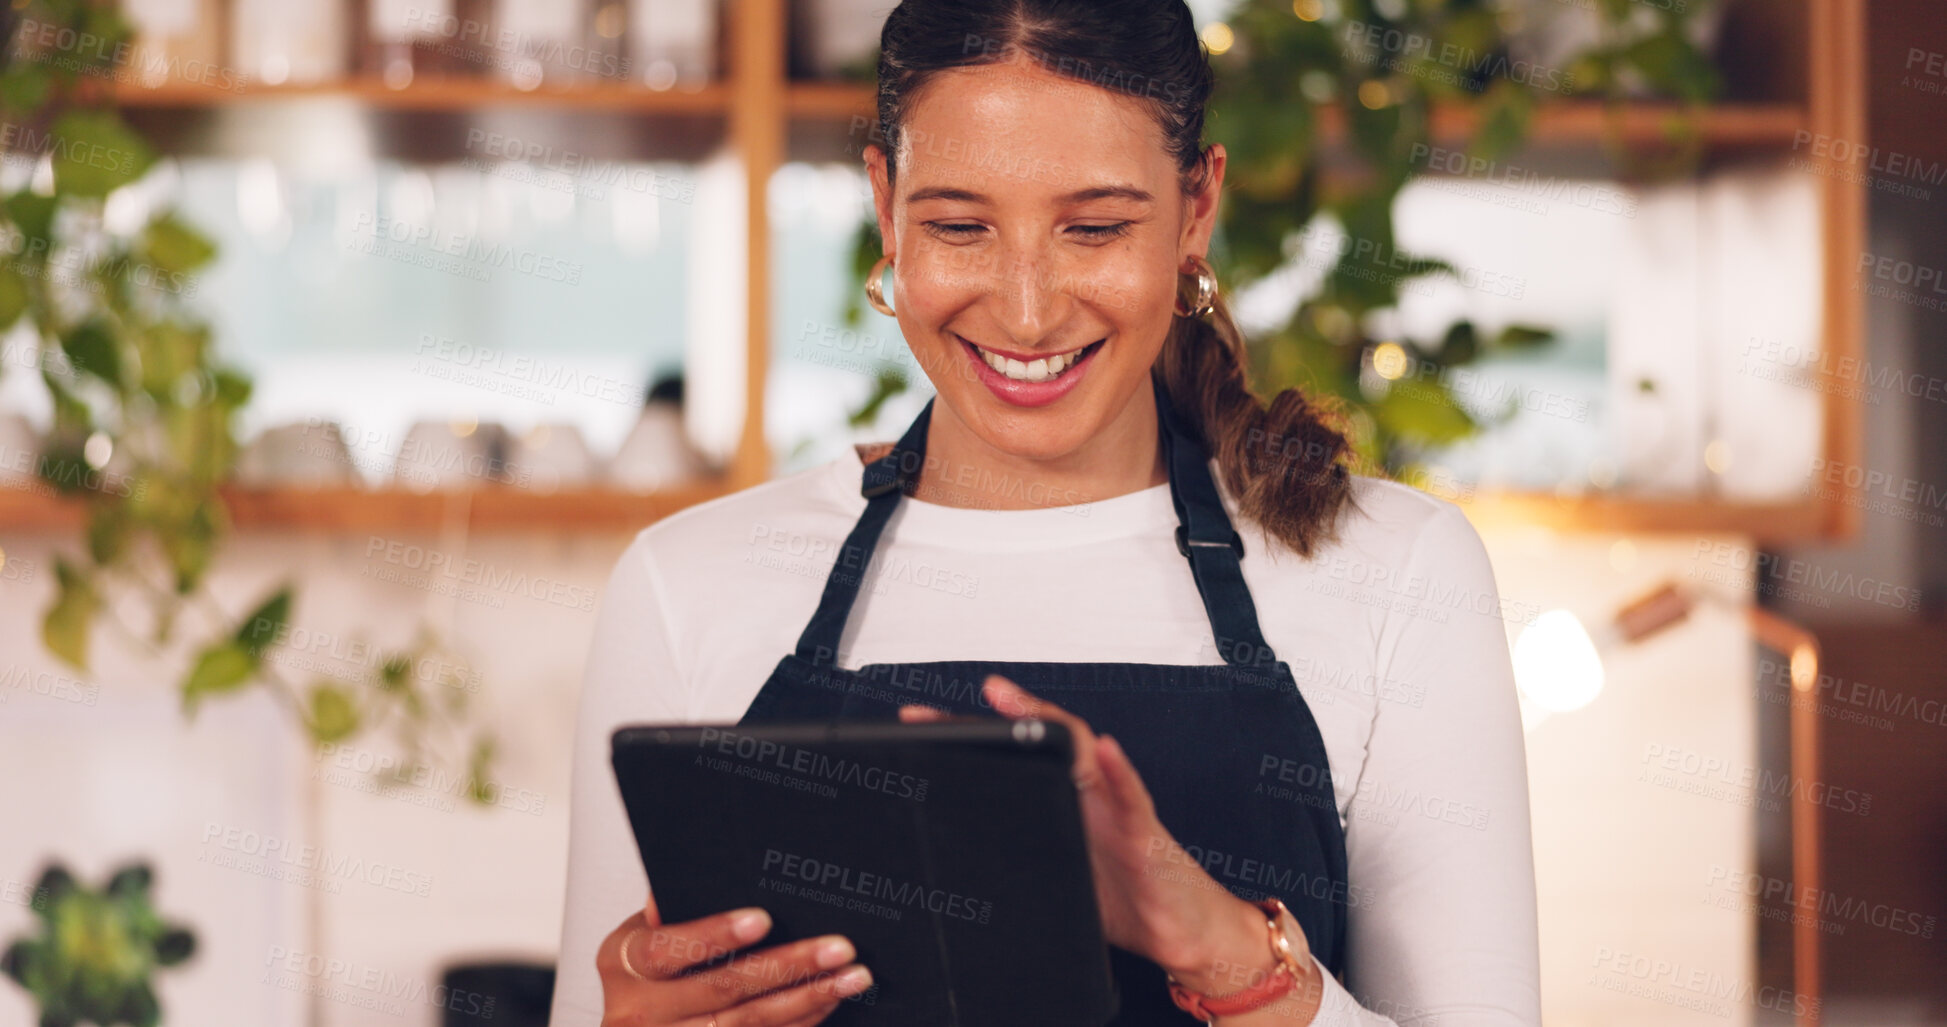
pixel 1206 277
pixel 875 286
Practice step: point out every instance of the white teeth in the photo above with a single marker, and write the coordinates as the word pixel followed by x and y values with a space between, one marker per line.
pixel 1040 370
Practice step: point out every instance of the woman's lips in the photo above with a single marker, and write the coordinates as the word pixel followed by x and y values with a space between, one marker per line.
pixel 1022 392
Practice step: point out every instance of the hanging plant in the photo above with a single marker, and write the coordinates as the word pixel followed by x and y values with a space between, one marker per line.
pixel 144 409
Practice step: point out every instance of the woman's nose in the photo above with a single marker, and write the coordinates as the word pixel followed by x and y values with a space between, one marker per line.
pixel 1030 298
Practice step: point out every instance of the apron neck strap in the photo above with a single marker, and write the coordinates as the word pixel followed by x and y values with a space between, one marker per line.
pixel 1204 535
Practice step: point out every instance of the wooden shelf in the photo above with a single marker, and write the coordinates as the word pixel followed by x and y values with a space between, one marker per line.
pixel 1763 522
pixel 1573 121
pixel 351 509
pixel 439 94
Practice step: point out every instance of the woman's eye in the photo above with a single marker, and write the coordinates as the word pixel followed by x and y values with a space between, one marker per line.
pixel 1100 232
pixel 954 229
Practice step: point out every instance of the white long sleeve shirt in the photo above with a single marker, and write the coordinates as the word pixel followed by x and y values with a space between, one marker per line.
pixel 1394 633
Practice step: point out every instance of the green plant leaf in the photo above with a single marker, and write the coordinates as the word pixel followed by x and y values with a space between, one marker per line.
pixel 172 245
pixel 174 946
pixel 1523 337
pixel 65 627
pixel 1424 413
pixel 33 214
pixel 97 154
pixel 109 531
pixel 23 87
pixel 334 716
pixel 265 624
pixel 93 349
pixel 13 295
pixel 223 667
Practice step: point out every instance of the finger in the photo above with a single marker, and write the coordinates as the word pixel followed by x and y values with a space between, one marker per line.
pixel 807 1003
pixel 758 973
pixel 921 714
pixel 1119 776
pixel 1014 701
pixel 661 951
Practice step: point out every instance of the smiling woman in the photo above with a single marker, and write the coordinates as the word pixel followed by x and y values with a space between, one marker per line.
pixel 1317 818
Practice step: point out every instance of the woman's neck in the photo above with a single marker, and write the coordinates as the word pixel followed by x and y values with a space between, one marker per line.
pixel 962 470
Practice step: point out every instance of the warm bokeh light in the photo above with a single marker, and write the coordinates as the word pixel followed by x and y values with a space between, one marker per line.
pixel 1805 667
pixel 1717 456
pixel 1218 37
pixel 1556 666
pixel 1389 360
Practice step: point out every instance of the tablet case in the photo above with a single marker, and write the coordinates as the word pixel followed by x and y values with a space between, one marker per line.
pixel 952 855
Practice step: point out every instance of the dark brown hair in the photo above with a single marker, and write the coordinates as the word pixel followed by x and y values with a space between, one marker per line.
pixel 1283 463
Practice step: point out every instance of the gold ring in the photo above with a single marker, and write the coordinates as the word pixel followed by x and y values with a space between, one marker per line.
pixel 626 968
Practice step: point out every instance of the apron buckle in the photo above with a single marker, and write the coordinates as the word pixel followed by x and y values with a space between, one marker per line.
pixel 1184 542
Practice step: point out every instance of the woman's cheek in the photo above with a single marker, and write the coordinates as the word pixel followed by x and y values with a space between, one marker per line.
pixel 1122 292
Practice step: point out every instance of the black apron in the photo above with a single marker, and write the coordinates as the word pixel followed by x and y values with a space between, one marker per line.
pixel 1229 752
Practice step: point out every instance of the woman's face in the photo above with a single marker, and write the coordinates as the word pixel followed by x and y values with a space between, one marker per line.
pixel 1037 227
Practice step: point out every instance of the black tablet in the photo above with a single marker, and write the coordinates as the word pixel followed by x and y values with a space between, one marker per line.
pixel 951 854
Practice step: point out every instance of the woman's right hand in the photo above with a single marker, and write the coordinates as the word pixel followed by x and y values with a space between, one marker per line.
pixel 793 985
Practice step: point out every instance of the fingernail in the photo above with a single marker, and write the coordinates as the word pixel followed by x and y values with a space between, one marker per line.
pixel 833 951
pixel 750 924
pixel 852 981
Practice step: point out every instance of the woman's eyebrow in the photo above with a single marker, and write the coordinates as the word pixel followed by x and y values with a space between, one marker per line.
pixel 1107 192
pixel 1100 192
pixel 946 193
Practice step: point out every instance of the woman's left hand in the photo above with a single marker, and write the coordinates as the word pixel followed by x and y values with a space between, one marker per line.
pixel 1156 899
